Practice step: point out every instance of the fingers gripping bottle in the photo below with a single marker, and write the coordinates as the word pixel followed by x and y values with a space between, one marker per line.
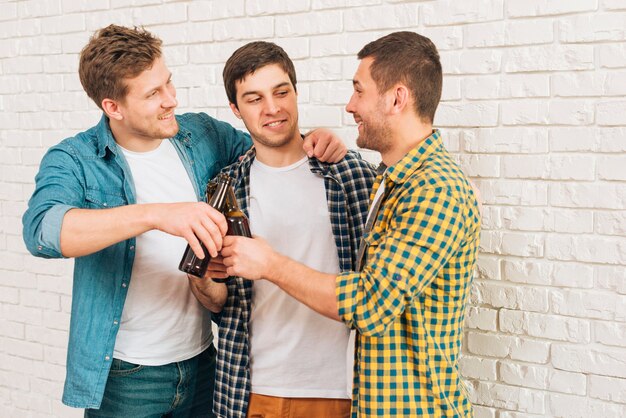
pixel 221 196
pixel 237 223
pixel 216 193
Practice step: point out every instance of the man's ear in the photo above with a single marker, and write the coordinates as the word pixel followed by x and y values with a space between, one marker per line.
pixel 401 98
pixel 112 109
pixel 235 110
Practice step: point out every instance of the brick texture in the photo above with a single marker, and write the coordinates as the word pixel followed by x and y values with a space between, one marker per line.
pixel 534 108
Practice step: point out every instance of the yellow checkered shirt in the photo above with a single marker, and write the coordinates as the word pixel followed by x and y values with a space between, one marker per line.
pixel 408 302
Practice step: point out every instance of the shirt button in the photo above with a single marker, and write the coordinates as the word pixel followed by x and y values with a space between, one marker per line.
pixel 104 204
pixel 123 284
pixel 132 247
pixel 39 247
pixel 115 322
pixel 107 358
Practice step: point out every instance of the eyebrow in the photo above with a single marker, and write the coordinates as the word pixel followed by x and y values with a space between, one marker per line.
pixel 277 86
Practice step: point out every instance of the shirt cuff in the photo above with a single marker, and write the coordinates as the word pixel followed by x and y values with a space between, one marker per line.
pixel 346 287
pixel 50 238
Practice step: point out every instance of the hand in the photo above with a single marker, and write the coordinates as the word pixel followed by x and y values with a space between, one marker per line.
pixel 210 294
pixel 250 258
pixel 215 270
pixel 194 221
pixel 324 145
pixel 205 284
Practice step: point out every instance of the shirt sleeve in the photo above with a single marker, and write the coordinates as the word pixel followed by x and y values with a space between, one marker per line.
pixel 236 142
pixel 57 190
pixel 404 257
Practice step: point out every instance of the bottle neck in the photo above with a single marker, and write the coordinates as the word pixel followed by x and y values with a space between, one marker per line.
pixel 231 207
pixel 220 194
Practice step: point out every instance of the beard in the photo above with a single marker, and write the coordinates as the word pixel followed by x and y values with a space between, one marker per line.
pixel 146 130
pixel 167 133
pixel 375 135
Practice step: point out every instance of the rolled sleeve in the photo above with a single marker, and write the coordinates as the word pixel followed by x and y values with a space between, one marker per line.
pixel 49 240
pixel 58 189
pixel 346 292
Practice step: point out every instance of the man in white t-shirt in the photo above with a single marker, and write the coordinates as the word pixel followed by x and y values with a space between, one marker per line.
pixel 277 357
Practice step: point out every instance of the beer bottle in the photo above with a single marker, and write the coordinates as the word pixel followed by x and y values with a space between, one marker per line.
pixel 217 193
pixel 237 222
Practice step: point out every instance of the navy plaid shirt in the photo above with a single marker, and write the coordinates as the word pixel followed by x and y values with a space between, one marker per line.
pixel 348 185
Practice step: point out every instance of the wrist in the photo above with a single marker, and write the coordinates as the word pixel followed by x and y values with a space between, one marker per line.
pixel 148 215
pixel 275 262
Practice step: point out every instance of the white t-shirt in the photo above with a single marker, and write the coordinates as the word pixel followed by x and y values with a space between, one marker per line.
pixel 162 322
pixel 294 351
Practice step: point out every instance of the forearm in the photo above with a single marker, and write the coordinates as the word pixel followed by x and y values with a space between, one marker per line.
pixel 254 259
pixel 210 294
pixel 86 231
pixel 311 287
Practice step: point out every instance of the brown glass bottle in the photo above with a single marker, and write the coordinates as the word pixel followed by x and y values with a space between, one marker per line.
pixel 217 193
pixel 237 222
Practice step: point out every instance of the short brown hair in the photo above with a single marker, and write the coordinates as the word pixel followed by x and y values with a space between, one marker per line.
pixel 113 54
pixel 410 59
pixel 249 58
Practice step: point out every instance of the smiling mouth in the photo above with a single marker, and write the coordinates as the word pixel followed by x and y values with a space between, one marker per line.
pixel 166 116
pixel 274 123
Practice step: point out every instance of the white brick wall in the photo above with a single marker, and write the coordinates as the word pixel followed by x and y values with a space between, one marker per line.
pixel 534 106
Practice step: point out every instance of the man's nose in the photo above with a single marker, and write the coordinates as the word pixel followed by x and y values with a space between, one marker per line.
pixel 271 106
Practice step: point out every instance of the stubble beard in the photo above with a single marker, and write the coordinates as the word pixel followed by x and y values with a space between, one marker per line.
pixel 156 132
pixel 374 136
pixel 170 132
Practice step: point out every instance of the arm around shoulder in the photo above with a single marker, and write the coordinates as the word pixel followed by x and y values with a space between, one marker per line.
pixel 234 142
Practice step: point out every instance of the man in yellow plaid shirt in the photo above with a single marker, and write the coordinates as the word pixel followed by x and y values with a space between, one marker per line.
pixel 408 298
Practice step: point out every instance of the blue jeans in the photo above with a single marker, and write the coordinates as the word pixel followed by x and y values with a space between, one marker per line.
pixel 175 390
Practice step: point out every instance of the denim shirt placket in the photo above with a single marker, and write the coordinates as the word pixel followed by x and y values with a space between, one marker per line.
pixel 183 139
pixel 124 279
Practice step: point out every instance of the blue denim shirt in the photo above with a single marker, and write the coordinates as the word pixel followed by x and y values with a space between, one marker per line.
pixel 89 171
